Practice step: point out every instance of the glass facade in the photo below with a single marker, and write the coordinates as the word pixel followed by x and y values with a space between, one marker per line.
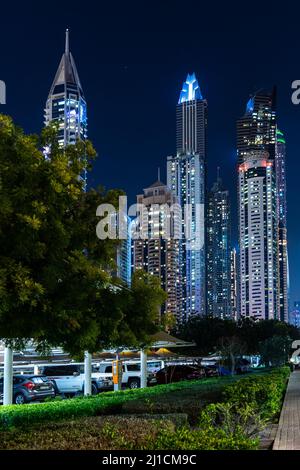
pixel 280 157
pixel 158 252
pixel 66 105
pixel 186 176
pixel 258 238
pixel 218 252
pixel 257 131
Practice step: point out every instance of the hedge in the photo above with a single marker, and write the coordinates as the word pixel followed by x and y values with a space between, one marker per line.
pixel 263 391
pixel 16 415
pixel 233 424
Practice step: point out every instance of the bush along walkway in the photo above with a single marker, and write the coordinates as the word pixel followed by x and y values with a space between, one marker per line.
pixel 288 433
pixel 245 406
pixel 234 424
pixel 106 403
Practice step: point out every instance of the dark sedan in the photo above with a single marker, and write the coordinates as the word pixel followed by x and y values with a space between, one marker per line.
pixel 29 388
pixel 176 373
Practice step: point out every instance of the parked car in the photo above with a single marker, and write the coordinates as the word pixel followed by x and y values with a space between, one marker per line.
pixel 29 388
pixel 131 376
pixel 178 372
pixel 243 366
pixel 68 379
pixel 212 371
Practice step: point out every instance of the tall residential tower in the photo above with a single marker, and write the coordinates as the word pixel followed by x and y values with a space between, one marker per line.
pixel 282 226
pixel 258 237
pixel 186 176
pixel 66 105
pixel 257 133
pixel 218 249
pixel 157 251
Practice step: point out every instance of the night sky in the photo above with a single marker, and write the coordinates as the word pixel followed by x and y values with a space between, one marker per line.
pixel 132 58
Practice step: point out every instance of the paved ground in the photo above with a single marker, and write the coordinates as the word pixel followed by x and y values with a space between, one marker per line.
pixel 288 433
pixel 267 437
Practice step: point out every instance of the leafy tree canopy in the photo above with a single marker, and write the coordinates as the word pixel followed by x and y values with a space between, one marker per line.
pixel 56 285
pixel 208 332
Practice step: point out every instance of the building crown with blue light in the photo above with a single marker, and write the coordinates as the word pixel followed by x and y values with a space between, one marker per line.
pixel 190 90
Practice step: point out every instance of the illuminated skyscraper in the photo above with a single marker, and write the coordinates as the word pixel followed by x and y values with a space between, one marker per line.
pixel 66 105
pixel 218 251
pixel 256 130
pixel 157 252
pixel 124 251
pixel 295 315
pixel 186 175
pixel 234 284
pixel 258 237
pixel 280 156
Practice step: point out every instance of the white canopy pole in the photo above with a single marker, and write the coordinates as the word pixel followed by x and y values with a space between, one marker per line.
pixel 87 373
pixel 143 356
pixel 8 376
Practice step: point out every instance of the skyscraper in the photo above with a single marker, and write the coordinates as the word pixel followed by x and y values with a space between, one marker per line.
pixel 258 237
pixel 66 105
pixel 186 176
pixel 295 315
pixel 257 131
pixel 218 251
pixel 280 156
pixel 124 252
pixel 234 284
pixel 158 252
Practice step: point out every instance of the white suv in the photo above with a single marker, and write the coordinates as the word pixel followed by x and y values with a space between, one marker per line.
pixel 68 379
pixel 131 376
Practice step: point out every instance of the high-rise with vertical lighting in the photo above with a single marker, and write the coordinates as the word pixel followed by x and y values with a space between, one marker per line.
pixel 280 157
pixel 66 105
pixel 218 252
pixel 257 132
pixel 258 237
pixel 157 252
pixel 186 176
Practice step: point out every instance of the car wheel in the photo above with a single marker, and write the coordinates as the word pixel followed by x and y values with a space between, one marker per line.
pixel 19 399
pixel 94 389
pixel 134 383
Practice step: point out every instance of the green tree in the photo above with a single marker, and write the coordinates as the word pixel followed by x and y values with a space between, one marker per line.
pixel 231 349
pixel 274 351
pixel 252 333
pixel 55 285
pixel 207 332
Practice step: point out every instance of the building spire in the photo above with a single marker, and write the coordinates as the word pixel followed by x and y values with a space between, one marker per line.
pixel 190 89
pixel 67 49
pixel 158 174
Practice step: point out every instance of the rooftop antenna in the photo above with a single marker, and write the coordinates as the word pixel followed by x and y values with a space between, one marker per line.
pixel 218 173
pixel 67 50
pixel 158 173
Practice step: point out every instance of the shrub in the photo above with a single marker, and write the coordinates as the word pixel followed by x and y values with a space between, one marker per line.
pixel 235 423
pixel 105 403
pixel 201 439
pixel 263 393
